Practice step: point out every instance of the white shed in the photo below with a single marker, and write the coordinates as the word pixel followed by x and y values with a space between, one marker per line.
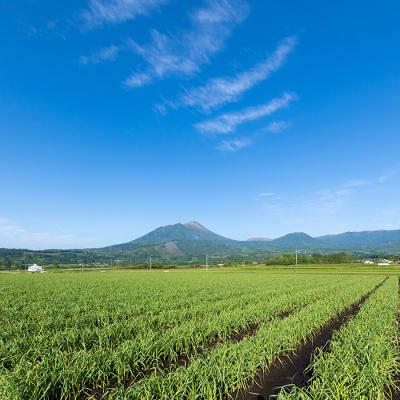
pixel 35 268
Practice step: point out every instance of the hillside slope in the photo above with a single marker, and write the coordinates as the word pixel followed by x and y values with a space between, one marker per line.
pixel 366 240
pixel 191 241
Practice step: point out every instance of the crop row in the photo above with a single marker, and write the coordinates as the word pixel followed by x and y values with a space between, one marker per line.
pixel 199 335
pixel 79 314
pixel 228 367
pixel 362 360
pixel 49 368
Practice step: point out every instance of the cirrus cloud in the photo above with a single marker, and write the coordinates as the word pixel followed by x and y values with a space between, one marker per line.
pixel 109 53
pixel 184 53
pixel 100 12
pixel 228 122
pixel 220 91
pixel 235 144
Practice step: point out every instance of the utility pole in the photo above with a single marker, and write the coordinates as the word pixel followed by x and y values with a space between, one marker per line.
pixel 150 262
pixel 296 259
pixel 206 262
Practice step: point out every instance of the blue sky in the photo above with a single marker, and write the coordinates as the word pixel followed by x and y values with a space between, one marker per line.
pixel 256 118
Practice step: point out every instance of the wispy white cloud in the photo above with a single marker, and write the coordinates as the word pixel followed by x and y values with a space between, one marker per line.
pixel 183 54
pixel 266 194
pixel 100 12
pixel 160 109
pixel 277 126
pixel 357 183
pixel 329 201
pixel 137 80
pixel 339 208
pixel 228 122
pixel 310 212
pixel 237 144
pixel 109 53
pixel 219 91
pixel 234 144
pixel 14 236
pixel 390 173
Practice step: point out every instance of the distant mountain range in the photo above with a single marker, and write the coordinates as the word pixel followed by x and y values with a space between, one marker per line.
pixel 194 240
pixel 191 241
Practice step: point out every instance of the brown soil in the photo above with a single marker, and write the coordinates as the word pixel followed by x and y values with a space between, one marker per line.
pixel 293 368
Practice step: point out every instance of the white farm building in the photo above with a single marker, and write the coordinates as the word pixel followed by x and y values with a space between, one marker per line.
pixel 35 268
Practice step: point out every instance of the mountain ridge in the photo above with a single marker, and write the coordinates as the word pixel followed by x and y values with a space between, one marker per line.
pixel 189 231
pixel 191 241
pixel 194 239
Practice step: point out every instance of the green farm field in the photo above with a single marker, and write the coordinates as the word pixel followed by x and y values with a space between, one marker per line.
pixel 311 332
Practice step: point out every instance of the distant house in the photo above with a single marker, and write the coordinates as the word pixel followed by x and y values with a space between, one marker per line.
pixel 385 262
pixel 368 262
pixel 35 268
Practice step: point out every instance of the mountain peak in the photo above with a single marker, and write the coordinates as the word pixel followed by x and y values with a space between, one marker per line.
pixel 296 240
pixel 195 225
pixel 298 235
pixel 179 233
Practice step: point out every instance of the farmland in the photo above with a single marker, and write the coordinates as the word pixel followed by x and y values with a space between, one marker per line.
pixel 200 335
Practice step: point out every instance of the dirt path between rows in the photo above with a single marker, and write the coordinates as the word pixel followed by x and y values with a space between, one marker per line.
pixel 293 368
